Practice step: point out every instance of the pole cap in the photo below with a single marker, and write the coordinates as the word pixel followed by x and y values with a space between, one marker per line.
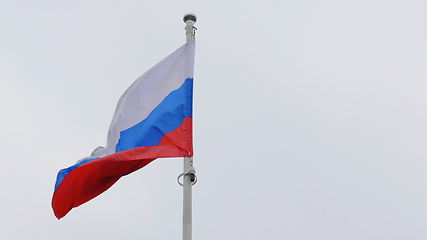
pixel 190 17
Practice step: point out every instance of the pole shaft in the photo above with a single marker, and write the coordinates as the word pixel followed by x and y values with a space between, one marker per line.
pixel 188 164
pixel 187 201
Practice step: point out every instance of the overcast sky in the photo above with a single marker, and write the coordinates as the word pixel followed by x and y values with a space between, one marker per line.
pixel 310 117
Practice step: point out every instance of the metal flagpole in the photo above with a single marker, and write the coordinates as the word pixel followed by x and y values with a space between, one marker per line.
pixel 189 172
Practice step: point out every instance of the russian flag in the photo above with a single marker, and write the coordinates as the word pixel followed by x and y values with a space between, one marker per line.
pixel 153 119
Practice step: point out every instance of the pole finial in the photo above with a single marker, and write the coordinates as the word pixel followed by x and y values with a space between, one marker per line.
pixel 190 17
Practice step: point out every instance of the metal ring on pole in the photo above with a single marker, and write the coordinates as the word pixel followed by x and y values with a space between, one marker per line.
pixel 193 178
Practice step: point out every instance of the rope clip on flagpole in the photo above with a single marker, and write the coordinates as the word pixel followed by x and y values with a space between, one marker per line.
pixel 191 173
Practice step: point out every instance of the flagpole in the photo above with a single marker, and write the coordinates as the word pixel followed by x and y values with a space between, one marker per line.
pixel 189 172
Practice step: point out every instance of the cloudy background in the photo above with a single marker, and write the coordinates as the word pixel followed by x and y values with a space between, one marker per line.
pixel 310 117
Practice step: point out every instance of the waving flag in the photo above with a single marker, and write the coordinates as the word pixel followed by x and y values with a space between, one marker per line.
pixel 153 119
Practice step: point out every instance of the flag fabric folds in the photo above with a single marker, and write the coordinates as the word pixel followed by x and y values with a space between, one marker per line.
pixel 153 119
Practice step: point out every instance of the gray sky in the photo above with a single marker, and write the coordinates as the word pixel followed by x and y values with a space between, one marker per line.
pixel 310 117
